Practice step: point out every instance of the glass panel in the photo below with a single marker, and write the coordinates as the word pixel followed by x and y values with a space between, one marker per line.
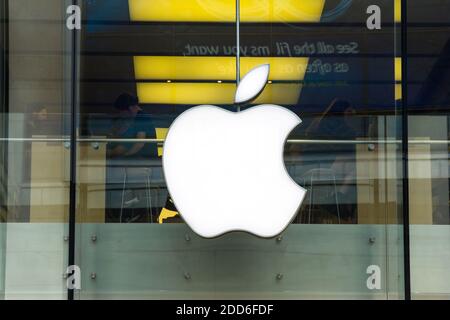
pixel 428 102
pixel 34 180
pixel 3 155
pixel 165 56
pixel 340 80
pixel 168 56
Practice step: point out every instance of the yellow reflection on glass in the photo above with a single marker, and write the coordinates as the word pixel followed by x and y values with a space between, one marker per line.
pixel 215 68
pixel 398 77
pixel 184 68
pixel 161 133
pixel 398 92
pixel 398 11
pixel 398 69
pixel 281 68
pixel 186 93
pixel 225 10
pixel 212 93
pixel 280 93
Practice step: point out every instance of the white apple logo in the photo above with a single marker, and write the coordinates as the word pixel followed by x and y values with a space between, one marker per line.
pixel 225 170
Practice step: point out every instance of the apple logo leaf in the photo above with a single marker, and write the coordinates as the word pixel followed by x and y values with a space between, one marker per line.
pixel 252 84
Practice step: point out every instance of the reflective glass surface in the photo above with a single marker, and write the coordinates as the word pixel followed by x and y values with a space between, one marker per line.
pixel 116 85
pixel 34 163
pixel 139 71
pixel 428 121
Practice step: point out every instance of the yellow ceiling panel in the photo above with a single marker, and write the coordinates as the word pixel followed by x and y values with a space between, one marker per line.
pixel 398 69
pixel 186 93
pixel 281 68
pixel 212 93
pixel 398 10
pixel 398 92
pixel 280 93
pixel 398 77
pixel 215 68
pixel 184 68
pixel 225 10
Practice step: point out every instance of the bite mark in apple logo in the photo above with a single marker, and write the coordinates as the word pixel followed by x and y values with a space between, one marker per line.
pixel 225 171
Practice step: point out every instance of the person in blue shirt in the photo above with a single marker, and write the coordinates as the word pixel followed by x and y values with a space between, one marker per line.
pixel 131 123
pixel 130 162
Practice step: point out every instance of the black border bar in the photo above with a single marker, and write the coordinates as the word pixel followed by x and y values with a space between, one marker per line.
pixel 405 185
pixel 73 151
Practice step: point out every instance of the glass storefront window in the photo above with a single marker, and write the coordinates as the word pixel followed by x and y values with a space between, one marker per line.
pixel 115 86
pixel 344 152
pixel 3 191
pixel 428 106
pixel 34 179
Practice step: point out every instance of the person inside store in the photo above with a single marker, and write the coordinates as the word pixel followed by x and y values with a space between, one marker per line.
pixel 335 162
pixel 129 162
pixel 131 123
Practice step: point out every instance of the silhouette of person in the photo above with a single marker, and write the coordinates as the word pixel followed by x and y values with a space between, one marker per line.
pixel 129 159
pixel 131 123
pixel 337 122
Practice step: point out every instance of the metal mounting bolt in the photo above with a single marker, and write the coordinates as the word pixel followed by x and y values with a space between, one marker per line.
pixel 187 237
pixel 94 238
pixel 279 238
pixel 371 147
pixel 65 275
pixel 95 145
pixel 279 276
pixel 93 275
pixel 372 240
pixel 187 275
pixel 66 238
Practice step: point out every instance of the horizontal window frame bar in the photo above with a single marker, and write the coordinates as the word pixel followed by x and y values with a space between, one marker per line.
pixel 289 141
